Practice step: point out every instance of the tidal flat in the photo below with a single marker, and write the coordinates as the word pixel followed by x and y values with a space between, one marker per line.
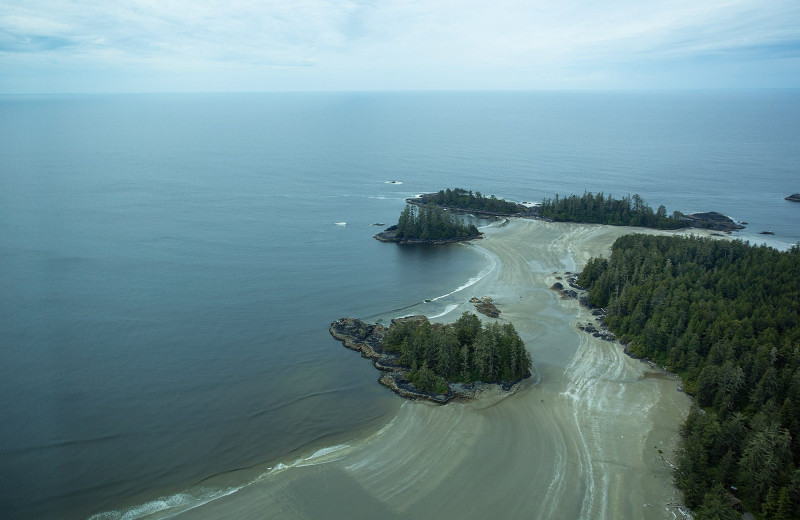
pixel 590 436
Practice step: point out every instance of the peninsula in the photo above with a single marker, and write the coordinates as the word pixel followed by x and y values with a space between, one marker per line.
pixel 589 208
pixel 461 200
pixel 437 362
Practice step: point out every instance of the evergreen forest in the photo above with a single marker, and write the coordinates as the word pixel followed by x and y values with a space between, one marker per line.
pixel 725 316
pixel 465 200
pixel 430 222
pixel 465 351
pixel 601 209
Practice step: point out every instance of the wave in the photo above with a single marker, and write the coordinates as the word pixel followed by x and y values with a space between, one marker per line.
pixel 395 313
pixel 475 279
pixel 169 506
pixel 340 223
pixel 447 310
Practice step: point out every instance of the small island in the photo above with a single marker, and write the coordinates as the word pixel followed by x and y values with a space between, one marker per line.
pixel 428 224
pixel 437 362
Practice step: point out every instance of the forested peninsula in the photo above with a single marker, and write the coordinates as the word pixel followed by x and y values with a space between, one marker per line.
pixel 459 199
pixel 628 211
pixel 438 362
pixel 725 316
pixel 589 208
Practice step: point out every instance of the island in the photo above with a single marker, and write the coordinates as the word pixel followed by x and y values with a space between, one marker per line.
pixel 439 362
pixel 428 224
pixel 794 197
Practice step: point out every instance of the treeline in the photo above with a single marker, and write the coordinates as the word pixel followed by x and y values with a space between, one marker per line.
pixel 600 209
pixel 725 316
pixel 430 222
pixel 466 200
pixel 465 351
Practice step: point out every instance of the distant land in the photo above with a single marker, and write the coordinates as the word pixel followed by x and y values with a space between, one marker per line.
pixel 588 209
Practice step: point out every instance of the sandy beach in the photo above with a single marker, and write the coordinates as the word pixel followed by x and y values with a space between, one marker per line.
pixel 590 437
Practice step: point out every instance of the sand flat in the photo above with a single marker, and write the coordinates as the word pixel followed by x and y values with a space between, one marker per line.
pixel 582 441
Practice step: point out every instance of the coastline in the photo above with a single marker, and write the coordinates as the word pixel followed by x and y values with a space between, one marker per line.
pixel 585 440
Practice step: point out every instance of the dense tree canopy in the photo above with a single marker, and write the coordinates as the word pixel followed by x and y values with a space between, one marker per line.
pixel 462 199
pixel 725 316
pixel 599 209
pixel 430 222
pixel 465 351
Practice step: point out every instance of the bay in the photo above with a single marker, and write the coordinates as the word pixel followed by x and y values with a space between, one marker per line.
pixel 169 264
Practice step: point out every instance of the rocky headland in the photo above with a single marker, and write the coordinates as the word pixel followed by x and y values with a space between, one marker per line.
pixel 713 221
pixel 368 340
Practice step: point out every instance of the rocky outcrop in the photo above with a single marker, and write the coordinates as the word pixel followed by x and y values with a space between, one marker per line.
pixel 485 306
pixel 368 339
pixel 714 221
pixel 597 328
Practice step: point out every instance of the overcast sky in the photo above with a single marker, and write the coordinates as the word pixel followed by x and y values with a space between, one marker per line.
pixel 249 45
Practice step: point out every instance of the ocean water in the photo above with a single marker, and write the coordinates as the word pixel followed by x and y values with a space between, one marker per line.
pixel 169 264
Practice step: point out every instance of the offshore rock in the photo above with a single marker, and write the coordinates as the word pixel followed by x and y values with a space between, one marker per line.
pixel 486 306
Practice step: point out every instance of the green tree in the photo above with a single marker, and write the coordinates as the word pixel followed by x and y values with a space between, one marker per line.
pixel 717 506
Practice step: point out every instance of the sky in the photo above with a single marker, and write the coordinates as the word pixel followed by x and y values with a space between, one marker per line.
pixel 93 46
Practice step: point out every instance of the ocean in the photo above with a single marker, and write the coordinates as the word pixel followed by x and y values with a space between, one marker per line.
pixel 169 264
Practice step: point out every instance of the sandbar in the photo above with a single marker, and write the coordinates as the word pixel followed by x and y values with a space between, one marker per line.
pixel 592 436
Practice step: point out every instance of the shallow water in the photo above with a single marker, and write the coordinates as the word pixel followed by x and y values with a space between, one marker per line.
pixel 581 442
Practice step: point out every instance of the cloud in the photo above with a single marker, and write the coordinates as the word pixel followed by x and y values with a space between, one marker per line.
pixel 358 44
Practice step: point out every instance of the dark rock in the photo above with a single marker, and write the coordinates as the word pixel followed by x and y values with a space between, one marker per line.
pixel 485 306
pixel 714 221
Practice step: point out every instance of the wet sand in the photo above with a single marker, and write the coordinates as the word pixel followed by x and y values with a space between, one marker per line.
pixel 581 440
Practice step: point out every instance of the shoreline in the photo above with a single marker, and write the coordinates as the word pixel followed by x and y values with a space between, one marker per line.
pixel 592 437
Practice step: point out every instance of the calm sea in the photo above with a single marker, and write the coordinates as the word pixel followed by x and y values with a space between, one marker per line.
pixel 169 264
